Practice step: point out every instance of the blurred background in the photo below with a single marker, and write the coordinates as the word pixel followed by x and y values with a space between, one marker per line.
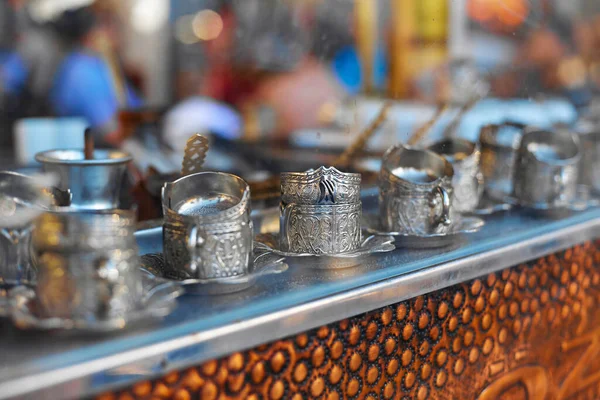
pixel 284 84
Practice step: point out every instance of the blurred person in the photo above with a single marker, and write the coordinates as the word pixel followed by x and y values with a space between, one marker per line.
pixel 56 71
pixel 7 30
pixel 260 60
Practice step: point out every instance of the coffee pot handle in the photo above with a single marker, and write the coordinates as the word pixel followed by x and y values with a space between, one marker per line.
pixel 194 243
pixel 444 217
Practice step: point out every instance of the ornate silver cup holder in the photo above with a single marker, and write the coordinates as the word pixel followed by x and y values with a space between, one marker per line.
pixel 458 228
pixel 264 263
pixel 269 242
pixel 158 300
pixel 325 185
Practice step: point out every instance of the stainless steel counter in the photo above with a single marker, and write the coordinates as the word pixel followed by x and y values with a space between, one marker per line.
pixel 51 365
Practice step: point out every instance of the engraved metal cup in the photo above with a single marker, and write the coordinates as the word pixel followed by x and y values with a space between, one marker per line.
pixel 468 180
pixel 88 264
pixel 589 168
pixel 547 169
pixel 93 184
pixel 207 231
pixel 22 199
pixel 499 145
pixel 321 186
pixel 415 191
pixel 320 229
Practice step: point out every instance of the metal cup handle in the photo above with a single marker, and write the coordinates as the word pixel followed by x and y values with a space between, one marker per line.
pixel 444 217
pixel 285 210
pixel 195 241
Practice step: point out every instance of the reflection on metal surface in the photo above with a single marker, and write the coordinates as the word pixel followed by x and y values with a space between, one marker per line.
pixel 157 300
pixel 525 332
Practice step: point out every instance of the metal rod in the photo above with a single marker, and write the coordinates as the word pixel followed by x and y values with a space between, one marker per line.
pixel 270 188
pixel 88 149
pixel 425 128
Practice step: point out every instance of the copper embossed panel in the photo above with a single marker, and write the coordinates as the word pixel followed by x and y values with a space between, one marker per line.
pixel 529 332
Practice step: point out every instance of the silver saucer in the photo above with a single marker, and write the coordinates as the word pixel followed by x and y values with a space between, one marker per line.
pixel 488 206
pixel 158 301
pixel 269 242
pixel 461 227
pixel 264 264
pixel 584 199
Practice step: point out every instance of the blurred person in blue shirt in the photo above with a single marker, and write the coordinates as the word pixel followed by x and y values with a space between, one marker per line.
pixel 54 71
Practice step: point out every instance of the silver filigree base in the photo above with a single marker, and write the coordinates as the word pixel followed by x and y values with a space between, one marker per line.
pixel 269 242
pixel 459 228
pixel 263 264
pixel 159 300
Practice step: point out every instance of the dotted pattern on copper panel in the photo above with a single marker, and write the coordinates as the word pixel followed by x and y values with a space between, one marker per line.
pixel 452 343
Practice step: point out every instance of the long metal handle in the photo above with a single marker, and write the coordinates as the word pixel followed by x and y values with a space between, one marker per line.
pixel 195 152
pixel 444 217
pixel 347 157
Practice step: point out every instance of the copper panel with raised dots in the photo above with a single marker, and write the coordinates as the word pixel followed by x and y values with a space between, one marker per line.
pixel 527 332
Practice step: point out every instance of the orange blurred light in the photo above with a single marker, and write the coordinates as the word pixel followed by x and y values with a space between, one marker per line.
pixel 507 13
pixel 480 10
pixel 207 25
pixel 511 12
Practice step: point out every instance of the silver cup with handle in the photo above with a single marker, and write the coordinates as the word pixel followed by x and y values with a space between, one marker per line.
pixel 88 264
pixel 547 169
pixel 415 192
pixel 320 212
pixel 589 168
pixel 207 231
pixel 467 181
pixel 93 184
pixel 499 145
